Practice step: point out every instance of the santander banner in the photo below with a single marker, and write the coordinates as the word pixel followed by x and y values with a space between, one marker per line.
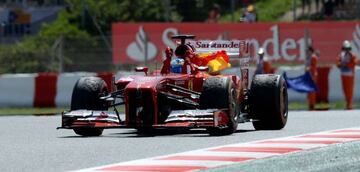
pixel 283 42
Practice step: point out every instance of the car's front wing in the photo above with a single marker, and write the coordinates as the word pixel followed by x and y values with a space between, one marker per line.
pixel 176 119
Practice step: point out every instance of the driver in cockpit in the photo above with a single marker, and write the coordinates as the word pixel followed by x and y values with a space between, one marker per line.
pixel 182 63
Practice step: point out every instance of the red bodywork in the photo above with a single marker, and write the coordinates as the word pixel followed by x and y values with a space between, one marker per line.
pixel 154 84
pixel 143 107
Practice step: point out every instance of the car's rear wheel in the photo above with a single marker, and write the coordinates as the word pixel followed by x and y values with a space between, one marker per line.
pixel 221 93
pixel 268 102
pixel 86 95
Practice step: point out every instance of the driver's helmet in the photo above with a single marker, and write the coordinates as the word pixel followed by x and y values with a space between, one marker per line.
pixel 182 50
pixel 176 65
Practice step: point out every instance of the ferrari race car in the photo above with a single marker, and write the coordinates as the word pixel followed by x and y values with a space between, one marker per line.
pixel 195 99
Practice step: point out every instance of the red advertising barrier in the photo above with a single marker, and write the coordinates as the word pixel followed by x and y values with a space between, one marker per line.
pixel 283 42
pixel 322 96
pixel 45 90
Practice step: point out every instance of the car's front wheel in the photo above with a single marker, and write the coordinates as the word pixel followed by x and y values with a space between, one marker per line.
pixel 86 95
pixel 221 93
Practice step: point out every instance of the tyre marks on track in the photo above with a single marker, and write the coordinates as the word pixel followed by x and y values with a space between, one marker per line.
pixel 221 156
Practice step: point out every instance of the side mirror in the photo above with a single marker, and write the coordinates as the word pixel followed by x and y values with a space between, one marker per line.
pixel 203 68
pixel 142 69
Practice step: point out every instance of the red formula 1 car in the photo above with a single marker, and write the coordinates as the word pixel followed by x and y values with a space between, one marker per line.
pixel 180 99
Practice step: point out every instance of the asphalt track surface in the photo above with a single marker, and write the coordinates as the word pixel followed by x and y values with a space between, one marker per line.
pixel 30 143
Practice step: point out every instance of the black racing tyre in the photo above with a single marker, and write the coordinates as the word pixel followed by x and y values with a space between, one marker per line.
pixel 88 132
pixel 220 93
pixel 86 95
pixel 268 101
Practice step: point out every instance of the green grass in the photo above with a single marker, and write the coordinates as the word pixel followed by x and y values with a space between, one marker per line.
pixel 267 10
pixel 322 106
pixel 31 111
pixel 40 111
pixel 271 10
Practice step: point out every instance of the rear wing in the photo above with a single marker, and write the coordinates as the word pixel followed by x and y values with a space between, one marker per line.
pixel 232 47
pixel 235 49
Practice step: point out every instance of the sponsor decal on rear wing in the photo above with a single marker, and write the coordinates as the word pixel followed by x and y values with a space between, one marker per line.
pixel 234 48
pixel 230 46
